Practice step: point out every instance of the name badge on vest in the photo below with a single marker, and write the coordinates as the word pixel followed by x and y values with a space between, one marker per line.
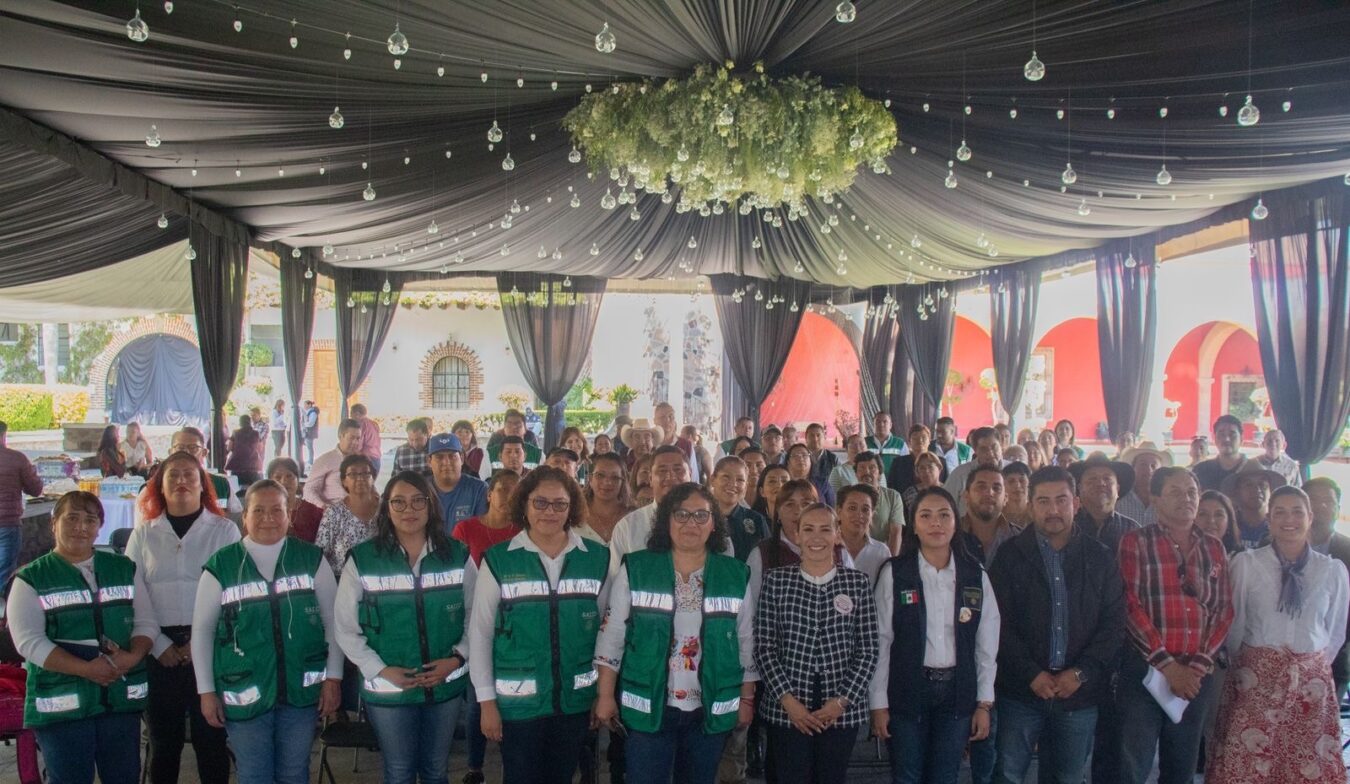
pixel 972 598
pixel 909 597
pixel 749 525
pixel 965 615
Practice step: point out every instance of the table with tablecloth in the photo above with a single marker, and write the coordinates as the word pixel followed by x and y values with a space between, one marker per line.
pixel 36 524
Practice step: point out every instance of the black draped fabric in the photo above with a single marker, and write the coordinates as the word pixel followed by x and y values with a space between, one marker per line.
pixel 927 339
pixel 734 404
pixel 1301 283
pixel 157 380
pixel 550 320
pixel 219 283
pixel 1127 331
pixel 297 327
pixel 1014 294
pixel 906 400
pixel 878 347
pixel 362 327
pixel 757 338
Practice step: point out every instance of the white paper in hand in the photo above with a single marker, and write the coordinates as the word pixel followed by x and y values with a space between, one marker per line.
pixel 1172 705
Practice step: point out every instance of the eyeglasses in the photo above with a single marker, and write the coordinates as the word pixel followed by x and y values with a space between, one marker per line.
pixel 691 516
pixel 192 449
pixel 541 504
pixel 417 503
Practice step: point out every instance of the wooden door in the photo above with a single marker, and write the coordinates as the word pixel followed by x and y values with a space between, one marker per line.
pixel 326 394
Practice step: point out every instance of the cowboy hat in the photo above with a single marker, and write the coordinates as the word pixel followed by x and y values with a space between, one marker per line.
pixel 1123 471
pixel 1251 469
pixel 1146 448
pixel 642 424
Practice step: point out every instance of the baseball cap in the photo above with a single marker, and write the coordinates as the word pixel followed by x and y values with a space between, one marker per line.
pixel 444 442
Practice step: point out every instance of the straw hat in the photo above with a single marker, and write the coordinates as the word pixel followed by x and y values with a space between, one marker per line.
pixel 640 425
pixel 1146 448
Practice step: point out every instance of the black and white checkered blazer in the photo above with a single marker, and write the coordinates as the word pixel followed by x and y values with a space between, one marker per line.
pixel 806 632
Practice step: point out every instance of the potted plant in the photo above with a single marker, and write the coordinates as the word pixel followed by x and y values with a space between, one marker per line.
pixel 622 397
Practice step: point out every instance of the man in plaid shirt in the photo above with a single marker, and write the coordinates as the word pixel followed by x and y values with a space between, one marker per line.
pixel 412 456
pixel 1178 609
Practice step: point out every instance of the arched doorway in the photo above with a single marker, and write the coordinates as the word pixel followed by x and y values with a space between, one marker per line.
pixel 1212 371
pixel 157 379
pixel 965 399
pixel 1073 376
pixel 819 380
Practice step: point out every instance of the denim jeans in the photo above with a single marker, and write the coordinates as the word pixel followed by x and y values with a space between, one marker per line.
pixel 110 744
pixel 415 740
pixel 984 753
pixel 11 539
pixel 926 748
pixel 1063 737
pixel 680 747
pixel 473 733
pixel 813 759
pixel 274 747
pixel 544 750
pixel 1145 729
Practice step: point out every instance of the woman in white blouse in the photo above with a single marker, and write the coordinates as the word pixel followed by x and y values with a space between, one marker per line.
pixel 676 651
pixel 181 528
pixel 1279 720
pixel 136 450
pixel 856 504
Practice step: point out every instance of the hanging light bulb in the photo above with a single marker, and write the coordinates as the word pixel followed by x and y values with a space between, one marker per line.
pixel 1162 112
pixel 574 156
pixel 397 42
pixel 238 23
pixel 1111 113
pixel 440 70
pixel 369 193
pixel 506 249
pixel 1034 70
pixel 1260 211
pixel 916 243
pixel 1248 115
pixel 294 41
pixel 845 12
pixel 553 85
pixel 152 139
pixel 1068 176
pixel 191 254
pixel 604 40
pixel 508 163
pixel 855 142
pixel 576 201
pixel 168 6
pixel 1130 262
pixel 1164 176
pixel 309 273
pixel 950 181
pixel 163 221
pixel 726 116
pixel 327 249
pixel 693 243
pixel 494 133
pixel 634 215
pixel 1084 209
pixel 336 120
pixel 1223 111
pixel 520 81
pixel 1286 106
pixel 543 252
pixel 925 107
pixel 515 207
pixel 963 152
pixel 608 201
pixel 638 256
pixel 756 243
pixel 595 249
pixel 1012 113
pixel 432 228
pixel 137 29
pixel 1347 178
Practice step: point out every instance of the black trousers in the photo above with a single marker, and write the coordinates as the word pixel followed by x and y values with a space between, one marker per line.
pixel 542 751
pixel 812 759
pixel 173 694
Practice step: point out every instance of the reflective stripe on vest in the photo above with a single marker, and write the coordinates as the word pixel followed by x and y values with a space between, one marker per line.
pixel 297 582
pixel 55 601
pixel 311 677
pixel 457 674
pixel 525 688
pixel 381 686
pixel 58 704
pixel 238 593
pixel 523 589
pixel 138 691
pixel 726 706
pixel 117 593
pixel 442 579
pixel 636 702
pixel 387 583
pixel 240 698
pixel 650 600
pixel 728 605
pixel 572 587
pixel 585 679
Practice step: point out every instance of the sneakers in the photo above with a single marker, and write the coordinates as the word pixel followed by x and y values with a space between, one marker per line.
pixel 473 777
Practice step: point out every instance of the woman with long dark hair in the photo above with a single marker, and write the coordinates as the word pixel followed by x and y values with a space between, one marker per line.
pixel 401 614
pixel 468 438
pixel 111 461
pixel 245 449
pixel 608 496
pixel 767 487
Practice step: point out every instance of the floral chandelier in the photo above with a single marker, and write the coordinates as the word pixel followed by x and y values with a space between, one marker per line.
pixel 726 140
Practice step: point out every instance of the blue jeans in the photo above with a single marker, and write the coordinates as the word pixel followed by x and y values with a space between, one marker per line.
pixel 274 747
pixel 10 541
pixel 473 732
pixel 680 747
pixel 415 740
pixel 926 748
pixel 110 743
pixel 1144 728
pixel 1064 738
pixel 984 753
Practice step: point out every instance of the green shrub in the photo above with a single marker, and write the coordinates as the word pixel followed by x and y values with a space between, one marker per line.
pixel 26 409
pixel 588 420
pixel 70 407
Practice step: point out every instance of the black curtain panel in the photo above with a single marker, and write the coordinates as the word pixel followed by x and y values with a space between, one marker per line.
pixel 365 309
pixel 734 405
pixel 1127 331
pixel 1300 275
pixel 927 316
pixel 759 322
pixel 219 283
pixel 550 320
pixel 299 282
pixel 879 338
pixel 1014 294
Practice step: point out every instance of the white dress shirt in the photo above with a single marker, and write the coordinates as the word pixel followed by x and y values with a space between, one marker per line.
pixel 630 535
pixel 352 640
pixel 1256 596
pixel 939 596
pixel 206 613
pixel 173 566
pixel 488 595
pixel 323 484
pixel 873 556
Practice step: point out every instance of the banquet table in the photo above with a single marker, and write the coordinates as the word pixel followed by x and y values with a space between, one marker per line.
pixel 36 525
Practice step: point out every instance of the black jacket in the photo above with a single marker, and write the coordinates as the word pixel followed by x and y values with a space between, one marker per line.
pixel 1339 548
pixel 1096 616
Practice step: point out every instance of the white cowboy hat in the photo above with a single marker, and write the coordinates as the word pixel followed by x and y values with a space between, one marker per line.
pixel 642 424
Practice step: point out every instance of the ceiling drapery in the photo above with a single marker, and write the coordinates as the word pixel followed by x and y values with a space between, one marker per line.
pixel 224 102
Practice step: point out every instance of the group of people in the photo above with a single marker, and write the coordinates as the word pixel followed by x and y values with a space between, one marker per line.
pixel 953 601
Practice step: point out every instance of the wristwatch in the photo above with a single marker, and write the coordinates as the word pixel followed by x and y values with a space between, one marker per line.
pixel 1080 675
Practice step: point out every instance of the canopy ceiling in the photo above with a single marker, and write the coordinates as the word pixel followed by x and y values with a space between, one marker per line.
pixel 248 114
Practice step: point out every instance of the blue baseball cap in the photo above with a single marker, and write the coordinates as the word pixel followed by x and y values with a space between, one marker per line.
pixel 444 442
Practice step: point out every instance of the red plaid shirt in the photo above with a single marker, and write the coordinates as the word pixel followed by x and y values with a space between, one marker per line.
pixel 1170 617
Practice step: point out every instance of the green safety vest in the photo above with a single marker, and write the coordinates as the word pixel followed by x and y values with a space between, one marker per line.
pixel 74 612
pixel 651 630
pixel 269 643
pixel 889 450
pixel 533 457
pixel 410 620
pixel 544 637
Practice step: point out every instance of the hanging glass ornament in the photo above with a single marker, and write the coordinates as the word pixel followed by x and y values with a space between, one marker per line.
pixel 855 141
pixel 543 252
pixel 515 207
pixel 1248 115
pixel 608 201
pixel 152 139
pixel 576 201
pixel 327 249
pixel 834 220
pixel 168 6
pixel 1260 211
pixel 950 181
pixel 397 63
pixel 693 243
pixel 557 254
pixel 799 268
pixel 397 42
pixel 967 109
pixel 432 228
pixel 992 251
pixel 1164 176
pixel 1012 113
pixel 925 106
pixel 916 243
pixel 638 256
pixel 1068 176
pixel 191 254
pixel 1286 106
pixel 928 300
pixel 553 85
pixel 351 301
pixel 238 24
pixel 667 197
pixel 1084 209
pixel 567 281
pixel 1223 111
pixel 163 221
pixel 336 120
pixel 1162 112
pixel 963 152
pixel 634 215
pixel 309 273
pixel 520 81
pixel 508 163
pixel 386 288
pixel 294 41
pixel 981 241
pixel 494 133
pixel 604 40
pixel 1111 113
pixel 726 117
pixel 137 29
pixel 346 54
pixel 595 249
pixel 845 12
pixel 824 228
pixel 364 309
pixel 1059 114
pixel 506 250
pixel 1034 70
pixel 759 295
pixel 1130 262
pixel 506 222
pixel 369 193
pixel 756 243
pixel 1347 178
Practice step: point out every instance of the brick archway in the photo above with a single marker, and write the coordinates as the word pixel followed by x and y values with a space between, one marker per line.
pixel 450 348
pixel 176 326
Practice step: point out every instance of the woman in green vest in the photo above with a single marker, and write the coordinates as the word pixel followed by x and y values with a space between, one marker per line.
pixel 83 621
pixel 676 657
pixel 400 618
pixel 262 642
pixel 536 613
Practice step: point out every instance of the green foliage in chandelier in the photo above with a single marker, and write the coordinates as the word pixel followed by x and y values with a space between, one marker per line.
pixel 728 137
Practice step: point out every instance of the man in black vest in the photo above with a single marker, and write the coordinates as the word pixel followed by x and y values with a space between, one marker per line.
pixel 1055 653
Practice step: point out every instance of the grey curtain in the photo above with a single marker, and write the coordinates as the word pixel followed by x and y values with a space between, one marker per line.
pixel 362 327
pixel 733 400
pixel 878 347
pixel 927 340
pixel 550 321
pixel 219 281
pixel 297 327
pixel 1301 280
pixel 1127 331
pixel 755 337
pixel 1014 294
